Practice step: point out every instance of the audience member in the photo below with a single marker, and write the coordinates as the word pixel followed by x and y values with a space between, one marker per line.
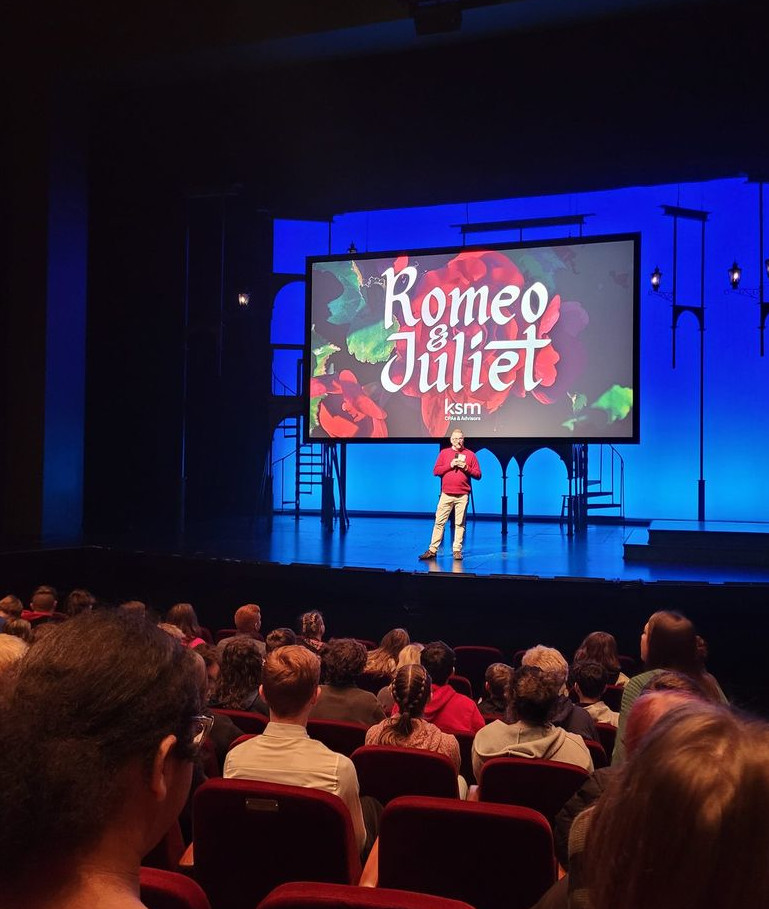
pixel 411 692
pixel 134 607
pixel 174 630
pixel 533 697
pixel 668 641
pixel 78 601
pixel 98 743
pixel 42 604
pixel 12 649
pixel 385 658
pixel 183 616
pixel 311 631
pixel 280 637
pixel 237 687
pixel 601 647
pixel 224 731
pixel 566 713
pixel 494 699
pixel 589 686
pixel 342 661
pixel 284 753
pixel 409 655
pixel 213 661
pixel 683 822
pixel 450 711
pixel 11 607
pixel 248 622
pixel 647 709
pixel 20 628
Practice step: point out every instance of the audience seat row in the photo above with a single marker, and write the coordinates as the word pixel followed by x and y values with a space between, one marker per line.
pixel 250 837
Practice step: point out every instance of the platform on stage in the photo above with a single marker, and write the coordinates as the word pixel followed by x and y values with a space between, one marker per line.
pixel 712 543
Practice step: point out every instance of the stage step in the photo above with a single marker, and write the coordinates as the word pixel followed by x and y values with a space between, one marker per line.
pixel 700 542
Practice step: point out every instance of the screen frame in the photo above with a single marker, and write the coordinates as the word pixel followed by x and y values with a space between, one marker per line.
pixel 481 441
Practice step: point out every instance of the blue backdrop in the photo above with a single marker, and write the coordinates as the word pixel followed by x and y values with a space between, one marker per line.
pixel 661 473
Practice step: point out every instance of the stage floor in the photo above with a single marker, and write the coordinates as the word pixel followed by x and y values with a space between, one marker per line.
pixel 393 544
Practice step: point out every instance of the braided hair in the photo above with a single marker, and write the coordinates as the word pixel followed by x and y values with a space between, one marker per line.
pixel 411 692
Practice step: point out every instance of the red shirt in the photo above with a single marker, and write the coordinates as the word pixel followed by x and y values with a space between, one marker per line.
pixel 454 480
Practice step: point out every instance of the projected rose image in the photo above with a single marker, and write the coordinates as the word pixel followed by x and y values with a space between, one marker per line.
pixel 533 342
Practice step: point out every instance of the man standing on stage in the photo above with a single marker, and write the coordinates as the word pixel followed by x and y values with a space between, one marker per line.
pixel 455 466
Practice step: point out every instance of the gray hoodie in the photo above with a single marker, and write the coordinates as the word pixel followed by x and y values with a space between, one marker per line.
pixel 548 742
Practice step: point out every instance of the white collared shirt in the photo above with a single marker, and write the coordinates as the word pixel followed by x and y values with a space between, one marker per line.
pixel 285 754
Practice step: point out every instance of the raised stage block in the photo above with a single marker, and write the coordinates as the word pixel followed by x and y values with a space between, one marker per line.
pixel 700 542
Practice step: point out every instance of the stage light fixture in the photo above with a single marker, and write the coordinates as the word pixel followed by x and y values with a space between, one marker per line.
pixel 656 278
pixel 244 298
pixel 735 275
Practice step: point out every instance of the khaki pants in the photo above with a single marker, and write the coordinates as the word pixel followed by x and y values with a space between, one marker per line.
pixel 445 504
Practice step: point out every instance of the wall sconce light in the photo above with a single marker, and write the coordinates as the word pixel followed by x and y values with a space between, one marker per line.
pixel 656 278
pixel 735 275
pixel 244 299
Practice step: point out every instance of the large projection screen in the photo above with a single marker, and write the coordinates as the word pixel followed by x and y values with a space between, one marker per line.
pixel 536 342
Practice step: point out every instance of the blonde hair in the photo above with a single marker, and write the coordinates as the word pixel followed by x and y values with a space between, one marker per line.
pixel 550 661
pixel 290 676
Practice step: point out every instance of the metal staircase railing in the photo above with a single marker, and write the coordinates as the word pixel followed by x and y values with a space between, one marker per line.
pixel 605 492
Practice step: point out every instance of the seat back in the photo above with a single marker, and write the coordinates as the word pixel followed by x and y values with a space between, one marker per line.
pixel 223 633
pixel 250 836
pixel 246 720
pixel 545 786
pixel 472 661
pixel 461 684
pixel 612 697
pixel 607 735
pixel 386 772
pixel 169 890
pixel 597 753
pixel 337 735
pixel 304 895
pixel 442 846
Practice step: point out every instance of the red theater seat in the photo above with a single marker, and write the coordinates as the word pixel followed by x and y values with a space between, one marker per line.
pixel 461 684
pixel 168 890
pixel 302 895
pixel 544 786
pixel 250 837
pixel 446 847
pixel 474 660
pixel 607 735
pixel 339 736
pixel 597 753
pixel 386 772
pixel 249 722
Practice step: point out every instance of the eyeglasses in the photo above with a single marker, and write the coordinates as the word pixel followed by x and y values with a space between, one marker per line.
pixel 201 726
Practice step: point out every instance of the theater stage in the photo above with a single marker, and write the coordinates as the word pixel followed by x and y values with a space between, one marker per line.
pixel 536 585
pixel 536 550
